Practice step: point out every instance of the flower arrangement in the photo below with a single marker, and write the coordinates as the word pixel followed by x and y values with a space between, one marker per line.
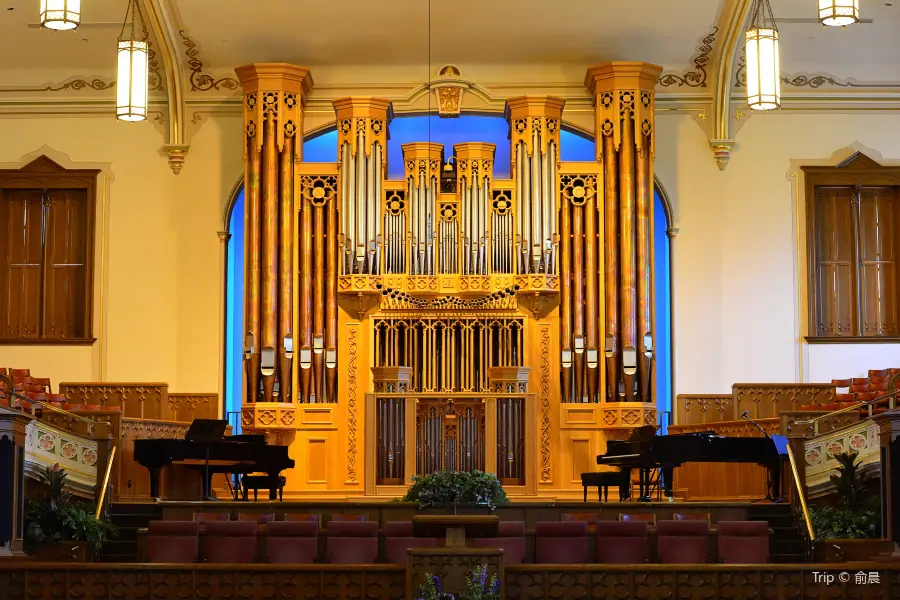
pixel 456 487
pixel 478 587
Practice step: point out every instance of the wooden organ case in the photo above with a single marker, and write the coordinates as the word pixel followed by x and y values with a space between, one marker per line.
pixel 448 320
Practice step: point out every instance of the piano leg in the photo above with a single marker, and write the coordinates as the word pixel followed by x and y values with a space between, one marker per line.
pixel 668 477
pixel 274 485
pixel 625 485
pixel 775 475
pixel 154 482
pixel 644 485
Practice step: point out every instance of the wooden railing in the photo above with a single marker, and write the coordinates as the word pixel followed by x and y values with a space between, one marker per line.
pixel 760 400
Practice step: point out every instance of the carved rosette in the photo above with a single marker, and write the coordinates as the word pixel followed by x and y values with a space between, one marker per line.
pixel 627 415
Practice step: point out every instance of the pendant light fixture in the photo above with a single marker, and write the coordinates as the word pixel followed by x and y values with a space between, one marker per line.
pixel 60 15
pixel 763 64
pixel 838 13
pixel 133 67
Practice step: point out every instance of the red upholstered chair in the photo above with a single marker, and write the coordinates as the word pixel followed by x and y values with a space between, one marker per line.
pixel 73 406
pixel 842 383
pixel 303 517
pixel 810 407
pixel 172 541
pixel 290 542
pixel 230 541
pixel 682 542
pixel 743 542
pixel 880 373
pixel 861 387
pixel 57 400
pixel 511 538
pixel 589 518
pixel 352 542
pixel 349 517
pixel 830 406
pixel 204 518
pixel 399 537
pixel 565 542
pixel 623 542
pixel 258 518
pixel 43 382
pixel 645 517
pixel 93 407
pixel 20 373
pixel 693 517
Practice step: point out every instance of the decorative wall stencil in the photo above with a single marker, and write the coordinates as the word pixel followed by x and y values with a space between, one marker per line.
pixel 820 455
pixel 812 81
pixel 99 84
pixel 200 81
pixel 696 77
pixel 46 446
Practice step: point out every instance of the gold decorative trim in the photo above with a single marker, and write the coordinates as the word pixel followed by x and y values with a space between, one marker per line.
pixel 546 469
pixel 696 77
pixel 155 78
pixel 200 81
pixel 812 81
pixel 352 355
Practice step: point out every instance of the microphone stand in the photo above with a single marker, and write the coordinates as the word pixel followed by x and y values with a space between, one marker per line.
pixel 769 482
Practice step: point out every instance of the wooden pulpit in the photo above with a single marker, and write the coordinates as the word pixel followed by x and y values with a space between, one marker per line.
pixel 13 425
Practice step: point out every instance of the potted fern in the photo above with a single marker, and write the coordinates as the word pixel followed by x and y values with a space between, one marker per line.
pixel 851 528
pixel 464 492
pixel 57 529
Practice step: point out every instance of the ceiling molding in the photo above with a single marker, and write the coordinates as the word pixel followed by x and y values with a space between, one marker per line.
pixel 162 22
pixel 695 77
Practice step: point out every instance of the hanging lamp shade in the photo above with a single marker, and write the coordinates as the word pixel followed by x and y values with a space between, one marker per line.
pixel 60 14
pixel 763 61
pixel 838 13
pixel 133 69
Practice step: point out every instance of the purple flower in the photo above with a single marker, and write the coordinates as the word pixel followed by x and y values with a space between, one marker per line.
pixel 437 583
pixel 482 576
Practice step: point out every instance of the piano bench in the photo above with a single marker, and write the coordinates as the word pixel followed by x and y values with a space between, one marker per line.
pixel 603 480
pixel 261 482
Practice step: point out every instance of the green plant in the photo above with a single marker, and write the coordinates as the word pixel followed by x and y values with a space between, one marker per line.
pixel 456 487
pixel 55 518
pixel 478 587
pixel 857 515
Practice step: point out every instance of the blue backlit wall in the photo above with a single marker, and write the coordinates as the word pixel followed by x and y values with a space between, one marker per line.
pixel 493 129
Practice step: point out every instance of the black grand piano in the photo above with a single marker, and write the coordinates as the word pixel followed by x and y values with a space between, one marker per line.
pixel 646 451
pixel 208 449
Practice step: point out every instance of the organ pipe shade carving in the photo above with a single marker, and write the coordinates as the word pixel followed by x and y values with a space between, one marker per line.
pixel 133 66
pixel 838 13
pixel 61 15
pixel 449 354
pixel 763 61
pixel 273 115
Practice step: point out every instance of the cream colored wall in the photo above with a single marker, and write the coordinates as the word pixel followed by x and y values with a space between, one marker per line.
pixel 735 253
pixel 163 280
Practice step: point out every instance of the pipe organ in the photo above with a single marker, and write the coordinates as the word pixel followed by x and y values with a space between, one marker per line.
pixel 448 319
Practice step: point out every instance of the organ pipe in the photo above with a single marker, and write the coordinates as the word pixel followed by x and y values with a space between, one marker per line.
pixel 286 276
pixel 273 117
pixel 535 139
pixel 331 319
pixel 623 105
pixel 611 231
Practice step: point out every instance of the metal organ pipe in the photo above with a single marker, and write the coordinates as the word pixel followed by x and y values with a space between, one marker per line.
pixel 318 345
pixel 346 210
pixel 361 201
pixel 252 306
pixel 545 211
pixel 590 303
pixel 535 185
pixel 331 319
pixel 611 220
pixel 644 292
pixel 371 211
pixel 553 187
pixel 269 256
pixel 521 204
pixel 627 285
pixel 286 274
pixel 565 305
pixel 350 237
pixel 306 288
pixel 378 195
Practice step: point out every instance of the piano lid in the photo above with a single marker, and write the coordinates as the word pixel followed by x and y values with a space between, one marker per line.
pixel 206 430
